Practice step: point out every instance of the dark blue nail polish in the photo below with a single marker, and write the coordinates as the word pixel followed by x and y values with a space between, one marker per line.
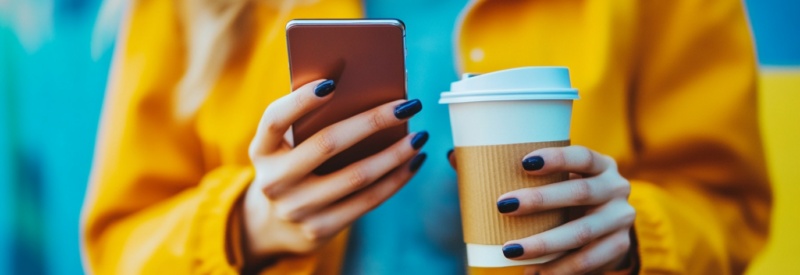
pixel 450 153
pixel 417 161
pixel 408 109
pixel 513 251
pixel 324 88
pixel 508 205
pixel 419 140
pixel 533 163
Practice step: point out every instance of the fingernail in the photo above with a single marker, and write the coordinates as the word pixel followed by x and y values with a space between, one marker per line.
pixel 513 251
pixel 408 109
pixel 508 205
pixel 419 140
pixel 533 163
pixel 449 153
pixel 324 88
pixel 417 161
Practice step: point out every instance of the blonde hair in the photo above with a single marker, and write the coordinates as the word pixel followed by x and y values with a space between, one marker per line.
pixel 210 34
pixel 212 29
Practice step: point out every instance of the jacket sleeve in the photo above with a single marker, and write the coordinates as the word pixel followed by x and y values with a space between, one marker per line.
pixel 158 201
pixel 153 206
pixel 701 190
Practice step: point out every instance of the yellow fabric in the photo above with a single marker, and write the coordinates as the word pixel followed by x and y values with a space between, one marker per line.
pixel 780 117
pixel 667 87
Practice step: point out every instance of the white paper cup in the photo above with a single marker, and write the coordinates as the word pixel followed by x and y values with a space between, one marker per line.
pixel 495 118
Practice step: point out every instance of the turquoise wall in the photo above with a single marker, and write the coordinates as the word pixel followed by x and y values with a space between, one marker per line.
pixel 50 100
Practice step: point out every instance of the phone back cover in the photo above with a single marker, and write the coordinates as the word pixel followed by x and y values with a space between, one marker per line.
pixel 367 63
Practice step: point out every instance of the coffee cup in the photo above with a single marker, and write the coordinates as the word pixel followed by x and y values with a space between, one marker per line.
pixel 497 118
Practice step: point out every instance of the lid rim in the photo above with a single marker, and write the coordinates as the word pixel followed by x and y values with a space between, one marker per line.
pixel 471 99
pixel 515 84
pixel 510 91
pixel 508 95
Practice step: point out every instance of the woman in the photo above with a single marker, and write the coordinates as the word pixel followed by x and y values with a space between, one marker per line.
pixel 668 97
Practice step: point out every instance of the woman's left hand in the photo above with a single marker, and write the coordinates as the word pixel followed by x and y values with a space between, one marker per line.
pixel 601 237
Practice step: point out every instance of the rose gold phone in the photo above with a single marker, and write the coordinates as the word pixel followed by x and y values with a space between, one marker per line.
pixel 366 60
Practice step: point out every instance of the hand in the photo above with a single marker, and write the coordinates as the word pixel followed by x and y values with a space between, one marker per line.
pixel 289 210
pixel 601 237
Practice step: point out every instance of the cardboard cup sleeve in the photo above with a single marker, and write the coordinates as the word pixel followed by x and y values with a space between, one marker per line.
pixel 485 173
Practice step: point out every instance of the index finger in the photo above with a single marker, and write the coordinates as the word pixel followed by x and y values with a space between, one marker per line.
pixel 280 115
pixel 335 138
pixel 574 159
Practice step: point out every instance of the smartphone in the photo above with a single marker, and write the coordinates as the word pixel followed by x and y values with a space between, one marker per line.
pixel 366 60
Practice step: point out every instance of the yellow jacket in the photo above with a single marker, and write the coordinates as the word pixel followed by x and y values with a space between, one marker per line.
pixel 667 89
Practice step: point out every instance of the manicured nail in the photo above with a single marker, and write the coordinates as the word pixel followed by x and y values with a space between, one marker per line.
pixel 417 161
pixel 408 109
pixel 513 251
pixel 449 153
pixel 533 163
pixel 508 205
pixel 325 88
pixel 419 140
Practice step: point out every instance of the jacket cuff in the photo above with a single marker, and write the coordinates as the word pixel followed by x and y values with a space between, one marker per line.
pixel 220 191
pixel 654 232
pixel 218 227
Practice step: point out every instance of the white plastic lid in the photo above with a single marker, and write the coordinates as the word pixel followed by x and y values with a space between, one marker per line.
pixel 525 83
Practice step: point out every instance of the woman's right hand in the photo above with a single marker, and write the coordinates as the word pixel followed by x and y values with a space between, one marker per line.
pixel 289 210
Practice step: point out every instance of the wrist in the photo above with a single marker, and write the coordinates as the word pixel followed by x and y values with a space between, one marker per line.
pixel 252 244
pixel 255 243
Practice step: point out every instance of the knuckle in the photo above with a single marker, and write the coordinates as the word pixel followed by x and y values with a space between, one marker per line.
pixel 612 163
pixel 314 234
pixel 559 158
pixel 582 264
pixel 583 234
pixel 271 118
pixel 270 184
pixel 398 156
pixel 587 158
pixel 270 191
pixel 538 246
pixel 272 124
pixel 326 143
pixel 629 215
pixel 292 213
pixel 285 213
pixel 303 247
pixel 252 151
pixel 623 187
pixel 357 178
pixel 537 199
pixel 270 110
pixel 375 121
pixel 371 202
pixel 622 245
pixel 299 101
pixel 582 191
pixel 292 217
